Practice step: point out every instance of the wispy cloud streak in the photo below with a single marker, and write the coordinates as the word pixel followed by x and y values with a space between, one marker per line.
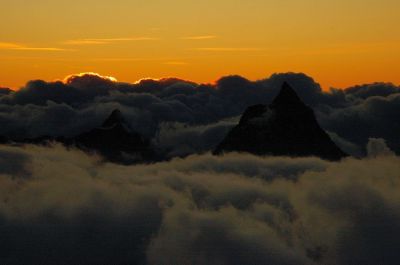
pixel 20 47
pixel 227 49
pixel 203 37
pixel 95 41
pixel 175 63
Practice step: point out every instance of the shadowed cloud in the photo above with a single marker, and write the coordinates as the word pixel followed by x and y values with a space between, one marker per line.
pixel 236 209
pixel 82 102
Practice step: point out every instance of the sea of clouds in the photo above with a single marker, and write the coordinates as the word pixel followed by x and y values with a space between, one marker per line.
pixel 60 206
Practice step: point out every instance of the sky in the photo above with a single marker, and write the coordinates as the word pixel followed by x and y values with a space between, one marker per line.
pixel 339 43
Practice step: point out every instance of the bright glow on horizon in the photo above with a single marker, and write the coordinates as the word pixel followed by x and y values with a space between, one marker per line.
pixel 69 77
pixel 146 79
pixel 338 43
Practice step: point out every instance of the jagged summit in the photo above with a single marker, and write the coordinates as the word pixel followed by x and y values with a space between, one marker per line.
pixel 116 141
pixel 286 127
pixel 114 118
pixel 287 97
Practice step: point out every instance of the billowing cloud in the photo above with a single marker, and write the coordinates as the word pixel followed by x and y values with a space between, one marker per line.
pixel 88 79
pixel 374 117
pixel 235 209
pixel 83 101
pixel 178 140
pixel 369 90
pixel 377 147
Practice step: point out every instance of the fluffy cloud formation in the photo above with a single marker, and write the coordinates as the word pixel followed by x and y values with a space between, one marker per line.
pixel 82 102
pixel 178 140
pixel 374 117
pixel 236 209
pixel 377 147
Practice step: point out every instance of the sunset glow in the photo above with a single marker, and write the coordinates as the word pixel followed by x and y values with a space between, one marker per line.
pixel 110 78
pixel 339 43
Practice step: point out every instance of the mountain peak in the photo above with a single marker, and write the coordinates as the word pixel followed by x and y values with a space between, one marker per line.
pixel 114 118
pixel 287 96
pixel 287 127
pixel 116 141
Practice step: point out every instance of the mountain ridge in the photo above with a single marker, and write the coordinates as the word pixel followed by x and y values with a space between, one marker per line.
pixel 286 127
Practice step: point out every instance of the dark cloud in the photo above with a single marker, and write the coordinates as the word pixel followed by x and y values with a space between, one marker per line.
pixel 178 140
pixel 39 92
pixel 378 147
pixel 347 146
pixel 374 117
pixel 81 102
pixel 14 163
pixel 61 206
pixel 370 90
pixel 235 209
pixel 4 91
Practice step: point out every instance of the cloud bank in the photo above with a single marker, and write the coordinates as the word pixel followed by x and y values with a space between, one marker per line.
pixel 63 206
pixel 236 209
pixel 81 102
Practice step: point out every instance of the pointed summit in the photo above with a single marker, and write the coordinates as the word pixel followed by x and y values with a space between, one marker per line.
pixel 116 141
pixel 287 96
pixel 287 127
pixel 114 119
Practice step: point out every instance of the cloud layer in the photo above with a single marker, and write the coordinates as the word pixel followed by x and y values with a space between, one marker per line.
pixel 81 102
pixel 236 209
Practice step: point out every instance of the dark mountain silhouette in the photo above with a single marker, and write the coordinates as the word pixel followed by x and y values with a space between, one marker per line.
pixel 286 127
pixel 115 118
pixel 116 141
pixel 3 139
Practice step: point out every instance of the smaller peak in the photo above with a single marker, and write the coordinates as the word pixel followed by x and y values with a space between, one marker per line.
pixel 114 118
pixel 287 96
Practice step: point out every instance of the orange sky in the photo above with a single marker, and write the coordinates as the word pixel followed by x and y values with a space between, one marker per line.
pixel 339 43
